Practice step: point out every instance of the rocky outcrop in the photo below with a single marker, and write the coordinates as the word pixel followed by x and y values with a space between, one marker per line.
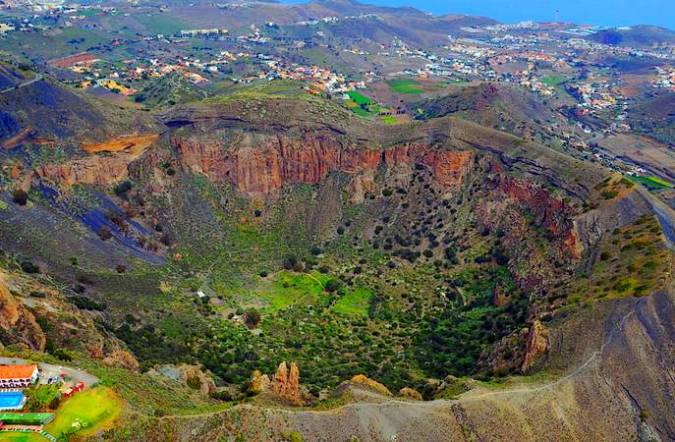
pixel 262 164
pixel 286 383
pixel 259 382
pixel 17 324
pixel 537 345
pixel 364 381
pixel 123 359
pixel 410 393
pixel 95 170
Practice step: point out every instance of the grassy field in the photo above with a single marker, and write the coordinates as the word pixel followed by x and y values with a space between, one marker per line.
pixel 652 182
pixel 405 86
pixel 19 436
pixel 553 80
pixel 359 98
pixel 355 303
pixel 86 413
pixel 362 105
pixel 389 120
pixel 159 24
pixel 285 289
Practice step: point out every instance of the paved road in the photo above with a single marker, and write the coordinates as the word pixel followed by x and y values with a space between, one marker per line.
pixel 37 78
pixel 48 370
pixel 664 214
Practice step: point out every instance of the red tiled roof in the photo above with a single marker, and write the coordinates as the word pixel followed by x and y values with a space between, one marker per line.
pixel 17 371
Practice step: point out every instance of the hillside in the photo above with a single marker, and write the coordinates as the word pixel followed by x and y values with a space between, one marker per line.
pixel 637 36
pixel 267 264
pixel 502 107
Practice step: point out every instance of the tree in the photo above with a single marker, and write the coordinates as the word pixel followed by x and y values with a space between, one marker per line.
pixel 105 233
pixel 20 197
pixel 332 285
pixel 252 317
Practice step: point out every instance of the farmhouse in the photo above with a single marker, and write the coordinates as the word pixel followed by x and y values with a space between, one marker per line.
pixel 18 376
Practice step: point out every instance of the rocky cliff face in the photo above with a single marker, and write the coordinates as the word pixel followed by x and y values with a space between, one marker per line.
pixel 17 323
pixel 94 170
pixel 264 164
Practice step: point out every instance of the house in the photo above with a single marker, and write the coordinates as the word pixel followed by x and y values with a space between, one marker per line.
pixel 18 376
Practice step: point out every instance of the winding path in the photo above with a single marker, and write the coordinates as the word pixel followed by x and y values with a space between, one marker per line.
pixel 37 78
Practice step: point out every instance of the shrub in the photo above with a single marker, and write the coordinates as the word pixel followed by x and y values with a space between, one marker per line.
pixel 84 303
pixel 29 267
pixel 104 233
pixel 123 188
pixel 20 197
pixel 451 255
pixel 290 262
pixel 252 317
pixel 315 250
pixel 194 382
pixel 60 353
pixel 333 285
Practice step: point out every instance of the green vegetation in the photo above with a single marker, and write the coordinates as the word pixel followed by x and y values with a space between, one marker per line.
pixel 405 86
pixel 42 397
pixel 22 436
pixel 160 23
pixel 289 288
pixel 362 105
pixel 25 418
pixel 651 182
pixel 631 263
pixel 553 80
pixel 86 413
pixel 388 119
pixel 355 302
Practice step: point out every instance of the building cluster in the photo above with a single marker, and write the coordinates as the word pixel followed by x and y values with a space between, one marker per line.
pixel 320 79
pixel 665 78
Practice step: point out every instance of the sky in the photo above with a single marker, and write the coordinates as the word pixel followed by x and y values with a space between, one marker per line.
pixel 595 12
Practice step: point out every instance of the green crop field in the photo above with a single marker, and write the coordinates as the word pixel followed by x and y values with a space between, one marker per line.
pixel 652 182
pixel 86 413
pixel 359 98
pixel 405 86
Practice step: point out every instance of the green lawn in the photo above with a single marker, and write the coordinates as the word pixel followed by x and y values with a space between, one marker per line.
pixel 405 86
pixel 355 303
pixel 20 436
pixel 86 413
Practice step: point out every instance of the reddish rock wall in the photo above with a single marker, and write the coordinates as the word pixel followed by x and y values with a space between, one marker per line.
pixel 277 161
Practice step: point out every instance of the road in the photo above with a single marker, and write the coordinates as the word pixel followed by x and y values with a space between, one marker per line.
pixel 664 214
pixel 37 78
